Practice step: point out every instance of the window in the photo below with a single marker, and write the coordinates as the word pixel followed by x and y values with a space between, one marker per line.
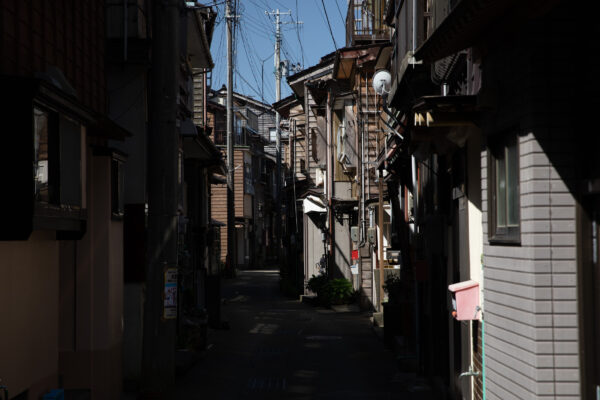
pixel 503 186
pixel 57 141
pixel 40 154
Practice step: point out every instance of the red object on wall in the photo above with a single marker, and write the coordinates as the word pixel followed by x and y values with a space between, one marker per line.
pixel 355 254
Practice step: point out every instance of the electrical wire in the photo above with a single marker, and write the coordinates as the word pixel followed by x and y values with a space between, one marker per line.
pixel 329 25
pixel 339 11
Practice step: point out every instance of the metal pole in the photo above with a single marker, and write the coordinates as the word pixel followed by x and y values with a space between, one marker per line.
pixel 330 186
pixel 380 223
pixel 158 348
pixel 277 57
pixel 278 131
pixel 231 239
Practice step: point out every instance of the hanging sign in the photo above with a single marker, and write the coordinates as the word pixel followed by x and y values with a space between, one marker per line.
pixel 170 296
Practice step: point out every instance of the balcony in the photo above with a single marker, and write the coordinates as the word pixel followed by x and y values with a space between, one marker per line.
pixel 365 22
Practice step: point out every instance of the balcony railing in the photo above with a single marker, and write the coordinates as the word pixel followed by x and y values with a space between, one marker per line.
pixel 364 22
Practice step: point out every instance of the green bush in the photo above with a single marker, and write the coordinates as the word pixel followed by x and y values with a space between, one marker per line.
pixel 339 291
pixel 335 291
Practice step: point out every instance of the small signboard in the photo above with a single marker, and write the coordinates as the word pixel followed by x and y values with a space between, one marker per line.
pixel 354 269
pixel 355 254
pixel 170 300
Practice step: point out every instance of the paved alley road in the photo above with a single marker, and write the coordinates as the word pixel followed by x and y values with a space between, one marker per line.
pixel 279 348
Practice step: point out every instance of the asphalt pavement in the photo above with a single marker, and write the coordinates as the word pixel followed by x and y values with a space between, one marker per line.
pixel 274 347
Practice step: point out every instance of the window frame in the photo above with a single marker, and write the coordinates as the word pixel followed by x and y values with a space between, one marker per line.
pixel 56 164
pixel 507 235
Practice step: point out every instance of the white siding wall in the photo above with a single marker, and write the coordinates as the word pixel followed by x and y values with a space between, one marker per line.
pixel 531 331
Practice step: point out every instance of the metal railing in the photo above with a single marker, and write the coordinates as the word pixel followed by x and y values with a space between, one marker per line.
pixel 364 22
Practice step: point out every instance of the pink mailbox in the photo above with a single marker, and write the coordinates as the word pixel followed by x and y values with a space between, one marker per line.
pixel 466 300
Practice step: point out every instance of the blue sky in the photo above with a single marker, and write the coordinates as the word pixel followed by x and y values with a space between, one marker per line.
pixel 255 39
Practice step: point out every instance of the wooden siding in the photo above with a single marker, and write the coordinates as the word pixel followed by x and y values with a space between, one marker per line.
pixel 218 201
pixel 317 145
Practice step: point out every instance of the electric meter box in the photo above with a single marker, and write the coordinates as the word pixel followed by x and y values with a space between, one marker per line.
pixel 372 235
pixel 354 233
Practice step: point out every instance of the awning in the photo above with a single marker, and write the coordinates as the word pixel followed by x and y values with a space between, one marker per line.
pixel 313 204
pixel 445 111
pixel 444 121
pixel 188 128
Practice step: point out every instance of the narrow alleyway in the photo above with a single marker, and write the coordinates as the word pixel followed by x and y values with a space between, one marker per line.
pixel 280 348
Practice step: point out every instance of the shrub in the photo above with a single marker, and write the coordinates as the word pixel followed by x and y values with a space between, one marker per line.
pixel 339 291
pixel 336 291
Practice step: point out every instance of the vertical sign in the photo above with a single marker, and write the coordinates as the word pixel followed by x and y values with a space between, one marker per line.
pixel 170 300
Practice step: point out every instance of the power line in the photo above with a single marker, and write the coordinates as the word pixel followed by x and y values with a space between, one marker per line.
pixel 339 11
pixel 245 45
pixel 247 83
pixel 329 25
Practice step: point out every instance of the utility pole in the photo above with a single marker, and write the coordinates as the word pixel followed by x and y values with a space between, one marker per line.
pixel 277 57
pixel 231 240
pixel 160 312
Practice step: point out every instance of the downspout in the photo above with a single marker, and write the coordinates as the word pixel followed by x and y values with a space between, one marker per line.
pixel 483 353
pixel 329 179
pixel 294 179
pixel 362 184
pixel 482 338
pixel 368 137
pixel 363 223
pixel 414 26
pixel 413 225
pixel 308 141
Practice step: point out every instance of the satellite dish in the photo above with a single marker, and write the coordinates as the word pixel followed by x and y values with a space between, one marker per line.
pixel 382 81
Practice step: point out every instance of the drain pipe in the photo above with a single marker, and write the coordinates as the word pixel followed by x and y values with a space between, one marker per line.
pixel 363 223
pixel 482 336
pixel 483 353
